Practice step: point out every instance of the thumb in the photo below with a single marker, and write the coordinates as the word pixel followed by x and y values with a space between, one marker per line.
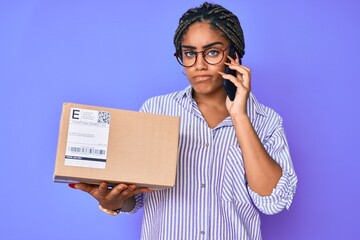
pixel 103 189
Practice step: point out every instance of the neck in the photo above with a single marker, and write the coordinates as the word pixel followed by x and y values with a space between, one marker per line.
pixel 215 98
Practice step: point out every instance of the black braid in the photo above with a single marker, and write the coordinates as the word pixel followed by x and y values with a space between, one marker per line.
pixel 219 18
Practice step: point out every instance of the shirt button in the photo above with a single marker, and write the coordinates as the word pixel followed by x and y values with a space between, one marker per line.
pixel 206 145
pixel 202 185
pixel 202 232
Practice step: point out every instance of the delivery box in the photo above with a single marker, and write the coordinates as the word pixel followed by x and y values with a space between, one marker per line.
pixel 116 146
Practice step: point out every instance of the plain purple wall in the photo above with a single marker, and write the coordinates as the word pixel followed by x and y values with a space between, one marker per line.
pixel 304 57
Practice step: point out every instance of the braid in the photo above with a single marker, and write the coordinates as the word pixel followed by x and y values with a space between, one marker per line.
pixel 219 17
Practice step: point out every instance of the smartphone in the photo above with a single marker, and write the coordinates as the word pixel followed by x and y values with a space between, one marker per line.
pixel 228 85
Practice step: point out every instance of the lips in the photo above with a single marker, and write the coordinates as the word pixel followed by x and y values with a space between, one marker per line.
pixel 200 78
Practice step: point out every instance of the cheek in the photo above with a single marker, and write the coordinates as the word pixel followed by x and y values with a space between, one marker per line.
pixel 186 71
pixel 220 67
pixel 219 78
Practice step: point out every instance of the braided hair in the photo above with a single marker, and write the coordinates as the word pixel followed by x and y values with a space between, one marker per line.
pixel 219 18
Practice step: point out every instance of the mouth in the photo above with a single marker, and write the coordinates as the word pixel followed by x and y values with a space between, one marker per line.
pixel 201 78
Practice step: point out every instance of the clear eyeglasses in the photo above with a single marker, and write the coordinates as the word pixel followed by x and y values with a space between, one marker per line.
pixel 188 57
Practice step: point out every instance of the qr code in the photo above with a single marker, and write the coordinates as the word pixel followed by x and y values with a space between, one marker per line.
pixel 104 117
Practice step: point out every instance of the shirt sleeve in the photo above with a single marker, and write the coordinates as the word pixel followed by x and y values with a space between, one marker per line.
pixel 145 107
pixel 138 204
pixel 282 195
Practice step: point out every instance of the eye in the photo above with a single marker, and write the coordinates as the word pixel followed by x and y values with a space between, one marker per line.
pixel 189 54
pixel 212 52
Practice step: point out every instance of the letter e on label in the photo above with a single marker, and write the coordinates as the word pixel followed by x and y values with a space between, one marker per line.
pixel 75 114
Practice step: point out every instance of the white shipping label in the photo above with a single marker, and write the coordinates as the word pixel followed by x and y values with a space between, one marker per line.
pixel 88 138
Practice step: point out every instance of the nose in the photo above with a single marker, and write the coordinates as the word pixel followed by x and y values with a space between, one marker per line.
pixel 200 63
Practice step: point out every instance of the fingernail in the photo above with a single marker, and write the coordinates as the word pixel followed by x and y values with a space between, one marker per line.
pixel 72 185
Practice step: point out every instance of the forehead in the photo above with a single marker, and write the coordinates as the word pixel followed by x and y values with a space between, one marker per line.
pixel 201 34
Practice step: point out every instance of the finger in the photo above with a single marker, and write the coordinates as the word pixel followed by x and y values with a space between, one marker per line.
pixel 240 68
pixel 121 189
pixel 245 73
pixel 116 191
pixel 103 189
pixel 248 69
pixel 132 191
pixel 231 59
pixel 231 78
pixel 85 187
pixel 227 76
pixel 237 63
pixel 238 78
pixel 142 190
pixel 237 58
pixel 129 190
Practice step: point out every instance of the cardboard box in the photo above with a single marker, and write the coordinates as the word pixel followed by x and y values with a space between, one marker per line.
pixel 116 146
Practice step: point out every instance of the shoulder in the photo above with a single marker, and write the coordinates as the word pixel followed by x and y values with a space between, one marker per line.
pixel 262 116
pixel 163 98
pixel 157 104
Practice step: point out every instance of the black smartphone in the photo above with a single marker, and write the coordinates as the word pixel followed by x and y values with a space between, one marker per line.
pixel 228 85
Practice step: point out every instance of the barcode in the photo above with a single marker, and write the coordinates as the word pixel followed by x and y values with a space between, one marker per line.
pixel 104 117
pixel 86 150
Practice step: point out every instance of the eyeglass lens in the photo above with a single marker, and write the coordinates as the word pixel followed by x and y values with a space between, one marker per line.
pixel 211 56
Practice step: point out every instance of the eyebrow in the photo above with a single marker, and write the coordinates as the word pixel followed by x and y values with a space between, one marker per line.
pixel 206 46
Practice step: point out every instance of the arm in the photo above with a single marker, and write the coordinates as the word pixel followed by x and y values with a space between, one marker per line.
pixel 134 203
pixel 262 172
pixel 129 205
pixel 269 171
pixel 282 195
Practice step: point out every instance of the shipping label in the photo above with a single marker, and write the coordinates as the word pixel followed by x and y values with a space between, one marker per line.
pixel 87 140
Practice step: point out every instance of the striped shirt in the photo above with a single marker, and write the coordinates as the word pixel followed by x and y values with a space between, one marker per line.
pixel 211 198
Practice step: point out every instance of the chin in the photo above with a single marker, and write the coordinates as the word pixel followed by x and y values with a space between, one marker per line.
pixel 202 88
pixel 205 90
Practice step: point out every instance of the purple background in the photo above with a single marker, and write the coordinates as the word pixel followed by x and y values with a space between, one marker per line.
pixel 304 57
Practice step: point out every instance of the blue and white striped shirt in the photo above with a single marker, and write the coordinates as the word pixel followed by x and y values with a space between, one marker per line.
pixel 211 198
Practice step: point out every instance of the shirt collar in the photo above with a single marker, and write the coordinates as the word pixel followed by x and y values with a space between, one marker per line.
pixel 254 108
pixel 184 97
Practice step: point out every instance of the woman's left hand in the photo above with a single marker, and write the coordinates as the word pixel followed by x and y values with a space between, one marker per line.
pixel 243 83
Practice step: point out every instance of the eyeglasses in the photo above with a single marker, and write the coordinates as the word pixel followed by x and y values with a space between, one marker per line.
pixel 188 58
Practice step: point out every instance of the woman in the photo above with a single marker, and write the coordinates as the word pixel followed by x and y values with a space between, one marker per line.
pixel 233 155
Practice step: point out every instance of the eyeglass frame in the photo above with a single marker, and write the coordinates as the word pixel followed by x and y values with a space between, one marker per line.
pixel 203 55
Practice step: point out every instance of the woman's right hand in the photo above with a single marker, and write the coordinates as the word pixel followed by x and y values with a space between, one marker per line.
pixel 120 196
